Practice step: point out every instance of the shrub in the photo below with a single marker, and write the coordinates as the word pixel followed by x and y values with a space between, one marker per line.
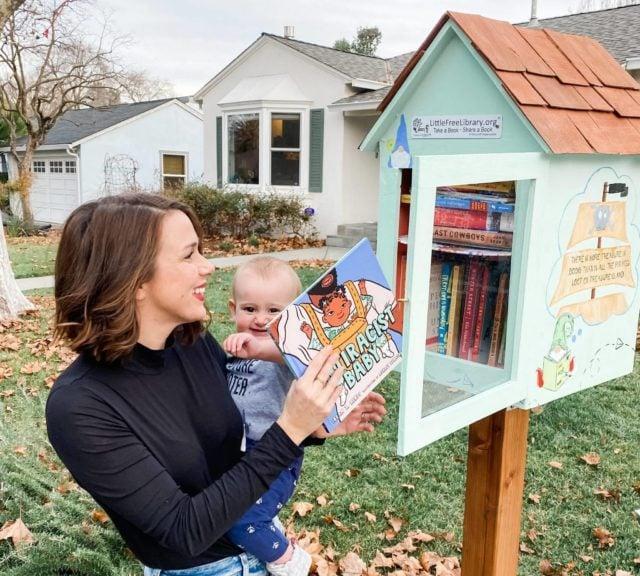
pixel 244 214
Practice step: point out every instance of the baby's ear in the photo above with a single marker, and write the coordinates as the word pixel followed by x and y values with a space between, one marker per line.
pixel 232 308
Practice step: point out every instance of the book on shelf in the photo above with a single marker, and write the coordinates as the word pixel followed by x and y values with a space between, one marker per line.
pixel 507 187
pixel 476 202
pixel 352 308
pixel 445 301
pixel 470 304
pixel 498 319
pixel 483 288
pixel 474 219
pixel 433 310
pixel 455 307
pixel 466 237
pixel 471 251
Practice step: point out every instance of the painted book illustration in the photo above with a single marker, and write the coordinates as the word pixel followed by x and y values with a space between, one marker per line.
pixel 352 308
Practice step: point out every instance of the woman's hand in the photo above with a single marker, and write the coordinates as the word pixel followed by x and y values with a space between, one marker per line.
pixel 312 397
pixel 363 418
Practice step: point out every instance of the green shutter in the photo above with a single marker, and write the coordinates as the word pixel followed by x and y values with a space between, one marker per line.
pixel 219 150
pixel 316 150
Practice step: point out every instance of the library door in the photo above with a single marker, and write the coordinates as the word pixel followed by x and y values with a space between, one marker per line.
pixel 461 269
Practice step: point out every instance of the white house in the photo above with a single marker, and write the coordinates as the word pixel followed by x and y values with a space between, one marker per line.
pixel 288 115
pixel 92 152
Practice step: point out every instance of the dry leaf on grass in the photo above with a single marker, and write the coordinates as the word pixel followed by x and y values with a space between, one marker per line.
pixel 586 558
pixel 408 486
pixel 10 342
pixel 535 498
pixel 395 523
pixel 370 517
pixel 605 538
pixel 20 450
pixel 555 464
pixel 352 472
pixel 99 516
pixel 352 564
pixel 17 532
pixel 353 507
pixel 33 367
pixel 323 500
pixel 525 549
pixel 591 458
pixel 302 508
pixel 339 525
pixel 607 495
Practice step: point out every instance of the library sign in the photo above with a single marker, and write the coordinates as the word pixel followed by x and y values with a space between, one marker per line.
pixel 457 126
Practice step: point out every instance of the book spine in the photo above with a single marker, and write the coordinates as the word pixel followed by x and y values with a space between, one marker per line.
pixel 445 295
pixel 497 321
pixel 468 311
pixel 472 219
pixel 482 304
pixel 466 237
pixel 454 308
pixel 433 313
pixel 443 201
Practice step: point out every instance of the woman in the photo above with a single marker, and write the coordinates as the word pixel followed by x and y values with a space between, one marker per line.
pixel 143 418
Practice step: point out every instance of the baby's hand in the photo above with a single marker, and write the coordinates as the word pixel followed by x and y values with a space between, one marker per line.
pixel 307 329
pixel 241 345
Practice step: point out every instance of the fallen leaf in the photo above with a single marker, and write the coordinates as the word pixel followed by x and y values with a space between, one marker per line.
pixel 605 538
pixel 322 500
pixel 21 450
pixel 606 495
pixel 546 568
pixel 395 523
pixel 10 342
pixel 66 487
pixel 420 536
pixel 532 535
pixel 379 457
pixel 32 368
pixel 408 486
pixel 535 498
pixel 302 508
pixel 370 517
pixel 351 563
pixel 99 516
pixel 353 507
pixel 591 458
pixel 623 573
pixel 555 464
pixel 525 549
pixel 586 558
pixel 17 532
pixel 382 561
pixel 352 472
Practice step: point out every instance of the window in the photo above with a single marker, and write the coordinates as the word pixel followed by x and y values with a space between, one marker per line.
pixel 70 166
pixel 39 166
pixel 174 173
pixel 55 166
pixel 285 149
pixel 243 132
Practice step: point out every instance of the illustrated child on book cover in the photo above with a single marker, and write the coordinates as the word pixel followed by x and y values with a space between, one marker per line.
pixel 350 309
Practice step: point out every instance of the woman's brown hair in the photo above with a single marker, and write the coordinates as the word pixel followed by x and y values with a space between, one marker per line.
pixel 107 251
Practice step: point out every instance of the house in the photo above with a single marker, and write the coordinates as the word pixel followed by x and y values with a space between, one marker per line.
pixel 92 152
pixel 288 115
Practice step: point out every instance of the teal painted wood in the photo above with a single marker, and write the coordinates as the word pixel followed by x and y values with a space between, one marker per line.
pixel 316 149
pixel 219 151
pixel 388 214
pixel 486 389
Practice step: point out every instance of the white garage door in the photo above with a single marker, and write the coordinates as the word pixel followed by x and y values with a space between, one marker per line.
pixel 54 190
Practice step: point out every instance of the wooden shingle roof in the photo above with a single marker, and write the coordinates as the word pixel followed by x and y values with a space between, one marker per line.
pixel 569 87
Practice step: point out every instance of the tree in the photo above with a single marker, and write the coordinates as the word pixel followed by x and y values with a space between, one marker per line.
pixel 7 7
pixel 48 65
pixel 366 42
pixel 591 5
pixel 131 86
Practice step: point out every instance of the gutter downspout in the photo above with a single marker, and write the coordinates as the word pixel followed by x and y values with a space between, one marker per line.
pixel 76 155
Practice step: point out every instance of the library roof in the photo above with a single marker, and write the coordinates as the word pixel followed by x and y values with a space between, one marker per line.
pixel 569 87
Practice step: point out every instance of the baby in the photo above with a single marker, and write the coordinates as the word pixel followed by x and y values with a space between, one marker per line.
pixel 261 289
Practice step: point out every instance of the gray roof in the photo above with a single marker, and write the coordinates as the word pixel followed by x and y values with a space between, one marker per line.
pixel 74 125
pixel 616 29
pixel 353 65
pixel 365 97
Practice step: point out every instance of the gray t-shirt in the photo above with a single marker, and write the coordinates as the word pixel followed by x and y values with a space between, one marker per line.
pixel 258 388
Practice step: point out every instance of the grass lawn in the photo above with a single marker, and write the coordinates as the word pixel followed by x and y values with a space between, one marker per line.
pixel 425 490
pixel 32 256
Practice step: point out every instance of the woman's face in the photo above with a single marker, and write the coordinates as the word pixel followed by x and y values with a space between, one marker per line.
pixel 175 293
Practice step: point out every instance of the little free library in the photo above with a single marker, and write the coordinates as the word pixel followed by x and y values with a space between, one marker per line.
pixel 509 224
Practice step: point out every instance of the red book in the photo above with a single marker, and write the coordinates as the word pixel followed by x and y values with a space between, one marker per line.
pixel 471 219
pixel 467 317
pixel 482 304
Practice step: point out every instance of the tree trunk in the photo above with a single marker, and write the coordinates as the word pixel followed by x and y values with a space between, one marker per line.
pixel 24 184
pixel 12 301
pixel 7 7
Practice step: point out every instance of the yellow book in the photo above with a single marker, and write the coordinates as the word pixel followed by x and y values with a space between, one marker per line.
pixel 457 296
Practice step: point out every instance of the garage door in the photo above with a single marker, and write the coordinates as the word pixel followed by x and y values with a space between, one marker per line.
pixel 54 190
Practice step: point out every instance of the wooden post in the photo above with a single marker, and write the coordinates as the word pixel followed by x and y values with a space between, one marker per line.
pixel 494 495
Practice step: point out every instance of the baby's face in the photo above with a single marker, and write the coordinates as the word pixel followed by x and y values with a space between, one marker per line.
pixel 336 312
pixel 258 300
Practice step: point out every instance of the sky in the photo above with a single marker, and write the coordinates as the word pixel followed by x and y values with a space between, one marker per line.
pixel 187 42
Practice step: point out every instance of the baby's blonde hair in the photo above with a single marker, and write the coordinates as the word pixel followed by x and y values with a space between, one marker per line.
pixel 266 267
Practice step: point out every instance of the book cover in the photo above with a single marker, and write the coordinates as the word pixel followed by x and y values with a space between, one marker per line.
pixel 477 202
pixel 433 310
pixel 457 295
pixel 445 299
pixel 498 319
pixel 474 219
pixel 352 308
pixel 469 303
pixel 466 237
pixel 482 305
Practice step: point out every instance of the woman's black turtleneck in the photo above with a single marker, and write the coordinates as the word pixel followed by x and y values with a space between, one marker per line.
pixel 156 442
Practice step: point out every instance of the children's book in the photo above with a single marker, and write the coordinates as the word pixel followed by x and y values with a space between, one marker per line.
pixel 352 308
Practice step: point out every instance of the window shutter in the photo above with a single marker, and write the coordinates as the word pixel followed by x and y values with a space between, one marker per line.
pixel 219 150
pixel 316 150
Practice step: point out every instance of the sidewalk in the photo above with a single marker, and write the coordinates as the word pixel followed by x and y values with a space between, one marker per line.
pixel 322 253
